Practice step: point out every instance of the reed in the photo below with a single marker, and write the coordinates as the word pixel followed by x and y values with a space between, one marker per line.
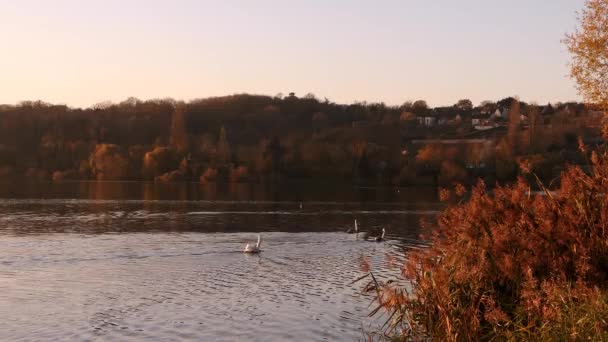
pixel 508 264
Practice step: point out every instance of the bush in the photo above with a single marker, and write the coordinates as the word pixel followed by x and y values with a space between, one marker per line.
pixel 171 177
pixel 159 161
pixel 210 175
pixel 108 162
pixel 511 265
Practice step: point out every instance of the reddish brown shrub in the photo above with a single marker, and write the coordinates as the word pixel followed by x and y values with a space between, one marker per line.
pixel 507 264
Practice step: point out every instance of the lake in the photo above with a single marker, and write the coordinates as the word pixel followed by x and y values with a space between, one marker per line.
pixel 163 262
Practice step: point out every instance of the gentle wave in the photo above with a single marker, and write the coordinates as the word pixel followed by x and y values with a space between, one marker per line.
pixel 189 286
pixel 70 201
pixel 336 212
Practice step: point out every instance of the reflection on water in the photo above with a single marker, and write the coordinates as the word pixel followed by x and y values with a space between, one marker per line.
pixel 242 192
pixel 121 261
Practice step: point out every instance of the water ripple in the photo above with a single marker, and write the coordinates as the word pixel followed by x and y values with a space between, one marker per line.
pixel 85 270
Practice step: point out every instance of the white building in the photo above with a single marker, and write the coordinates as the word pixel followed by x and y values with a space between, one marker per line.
pixel 428 121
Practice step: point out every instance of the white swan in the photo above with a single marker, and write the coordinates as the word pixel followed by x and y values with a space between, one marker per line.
pixel 355 231
pixel 380 238
pixel 251 248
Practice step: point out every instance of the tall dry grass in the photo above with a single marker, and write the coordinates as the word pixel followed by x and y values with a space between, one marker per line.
pixel 509 264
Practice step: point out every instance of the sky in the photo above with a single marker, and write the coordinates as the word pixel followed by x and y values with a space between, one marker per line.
pixel 81 53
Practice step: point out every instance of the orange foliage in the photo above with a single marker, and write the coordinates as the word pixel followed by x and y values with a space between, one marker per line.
pixel 210 175
pixel 509 265
pixel 109 162
pixel 278 137
pixel 588 48
pixel 170 177
pixel 179 137
pixel 159 161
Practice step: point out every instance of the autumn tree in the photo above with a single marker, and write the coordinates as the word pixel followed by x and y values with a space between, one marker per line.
pixel 588 46
pixel 507 102
pixel 513 128
pixel 464 104
pixel 109 162
pixel 159 161
pixel 420 107
pixel 319 121
pixel 534 128
pixel 223 147
pixel 407 116
pixel 270 160
pixel 361 166
pixel 178 138
pixel 407 106
pixel 506 167
pixel 429 155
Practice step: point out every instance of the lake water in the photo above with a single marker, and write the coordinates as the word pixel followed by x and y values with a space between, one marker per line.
pixel 138 261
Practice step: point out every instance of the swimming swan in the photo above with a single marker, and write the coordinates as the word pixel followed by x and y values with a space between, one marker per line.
pixel 380 238
pixel 251 248
pixel 353 231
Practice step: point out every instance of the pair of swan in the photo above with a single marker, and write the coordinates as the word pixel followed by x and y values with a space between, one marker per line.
pixel 374 238
pixel 255 248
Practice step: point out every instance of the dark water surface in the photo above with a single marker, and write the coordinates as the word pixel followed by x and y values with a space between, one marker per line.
pixel 138 261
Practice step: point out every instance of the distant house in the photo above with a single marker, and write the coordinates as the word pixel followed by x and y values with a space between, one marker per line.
pixel 483 127
pixel 505 113
pixel 481 141
pixel 548 110
pixel 483 120
pixel 443 114
pixel 427 121
pixel 449 115
pixel 497 114
pixel 476 165
pixel 450 119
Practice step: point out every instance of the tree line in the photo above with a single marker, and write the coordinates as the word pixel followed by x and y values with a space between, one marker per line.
pixel 243 138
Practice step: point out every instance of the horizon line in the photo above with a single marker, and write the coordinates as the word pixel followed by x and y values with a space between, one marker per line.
pixel 279 95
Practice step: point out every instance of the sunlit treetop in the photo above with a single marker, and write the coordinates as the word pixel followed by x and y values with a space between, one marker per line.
pixel 588 46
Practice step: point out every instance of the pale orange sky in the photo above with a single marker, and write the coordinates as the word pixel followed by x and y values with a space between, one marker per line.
pixel 81 53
